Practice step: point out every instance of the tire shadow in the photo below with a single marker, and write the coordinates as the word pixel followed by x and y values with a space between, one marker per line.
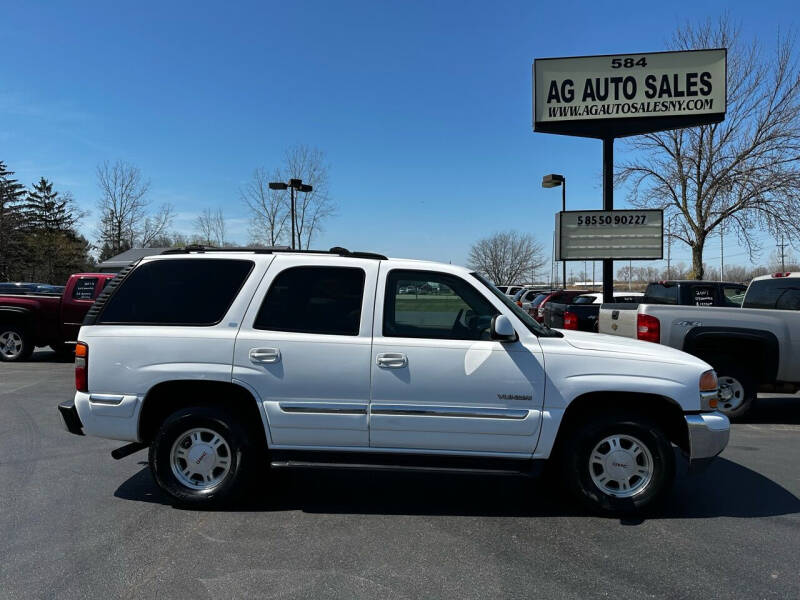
pixel 775 409
pixel 725 489
pixel 42 355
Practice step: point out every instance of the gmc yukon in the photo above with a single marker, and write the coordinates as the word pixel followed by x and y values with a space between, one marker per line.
pixel 213 358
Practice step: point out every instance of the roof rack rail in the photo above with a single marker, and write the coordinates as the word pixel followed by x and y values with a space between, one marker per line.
pixel 337 250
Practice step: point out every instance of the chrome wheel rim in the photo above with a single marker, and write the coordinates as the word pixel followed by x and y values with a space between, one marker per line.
pixel 731 394
pixel 200 459
pixel 621 466
pixel 10 344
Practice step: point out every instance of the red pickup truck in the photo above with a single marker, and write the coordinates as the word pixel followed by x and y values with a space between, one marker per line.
pixel 28 320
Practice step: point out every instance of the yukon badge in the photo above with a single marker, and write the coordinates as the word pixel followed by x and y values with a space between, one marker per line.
pixel 514 397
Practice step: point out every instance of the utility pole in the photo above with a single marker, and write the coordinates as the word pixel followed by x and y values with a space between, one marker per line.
pixel 630 274
pixel 782 246
pixel 669 246
pixel 721 253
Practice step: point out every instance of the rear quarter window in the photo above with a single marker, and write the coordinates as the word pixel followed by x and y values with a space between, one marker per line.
pixel 196 291
pixel 658 293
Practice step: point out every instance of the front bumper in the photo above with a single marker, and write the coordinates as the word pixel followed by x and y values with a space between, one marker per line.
pixel 708 435
pixel 69 414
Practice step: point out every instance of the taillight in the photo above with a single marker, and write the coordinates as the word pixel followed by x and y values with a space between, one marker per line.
pixel 648 328
pixel 82 367
pixel 781 274
pixel 570 320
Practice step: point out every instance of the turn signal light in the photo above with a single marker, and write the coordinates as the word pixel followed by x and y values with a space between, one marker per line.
pixel 648 328
pixel 570 320
pixel 708 381
pixel 82 367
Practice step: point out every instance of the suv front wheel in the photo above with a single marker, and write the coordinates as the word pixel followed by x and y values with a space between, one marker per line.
pixel 618 464
pixel 201 456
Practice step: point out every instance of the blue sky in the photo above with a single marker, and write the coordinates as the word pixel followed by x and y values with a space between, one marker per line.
pixel 423 108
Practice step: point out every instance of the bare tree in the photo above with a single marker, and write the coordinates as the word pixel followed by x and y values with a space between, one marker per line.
pixel 506 257
pixel 210 227
pixel 269 209
pixel 122 205
pixel 154 227
pixel 744 172
pixel 314 207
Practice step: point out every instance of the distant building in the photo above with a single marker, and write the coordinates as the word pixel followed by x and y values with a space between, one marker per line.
pixel 116 263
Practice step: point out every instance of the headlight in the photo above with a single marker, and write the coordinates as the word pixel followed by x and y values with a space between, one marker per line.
pixel 709 391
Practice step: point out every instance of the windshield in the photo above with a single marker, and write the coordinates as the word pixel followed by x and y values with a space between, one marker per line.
pixel 538 299
pixel 529 322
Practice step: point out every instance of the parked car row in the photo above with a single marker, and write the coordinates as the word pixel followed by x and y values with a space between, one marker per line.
pixel 16 287
pixel 752 347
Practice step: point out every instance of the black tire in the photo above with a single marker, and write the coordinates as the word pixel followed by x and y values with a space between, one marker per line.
pixel 577 468
pixel 241 454
pixel 15 344
pixel 744 387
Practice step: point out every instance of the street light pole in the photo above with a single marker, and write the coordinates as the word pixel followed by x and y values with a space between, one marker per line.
pixel 551 181
pixel 564 209
pixel 291 193
pixel 294 185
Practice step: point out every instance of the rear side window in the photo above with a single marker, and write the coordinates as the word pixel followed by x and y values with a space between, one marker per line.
pixel 732 295
pixel 658 293
pixel 197 291
pixel 84 288
pixel 782 293
pixel 324 300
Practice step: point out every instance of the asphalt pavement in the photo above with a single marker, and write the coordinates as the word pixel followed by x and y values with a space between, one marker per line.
pixel 74 523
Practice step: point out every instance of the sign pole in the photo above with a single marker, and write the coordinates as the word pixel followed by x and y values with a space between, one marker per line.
pixel 608 204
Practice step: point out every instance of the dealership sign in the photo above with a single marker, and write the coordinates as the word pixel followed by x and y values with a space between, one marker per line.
pixel 609 234
pixel 628 94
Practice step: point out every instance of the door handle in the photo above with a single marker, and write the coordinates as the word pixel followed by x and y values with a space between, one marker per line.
pixel 392 360
pixel 265 355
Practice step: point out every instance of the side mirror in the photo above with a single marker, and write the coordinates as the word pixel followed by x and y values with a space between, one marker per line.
pixel 502 329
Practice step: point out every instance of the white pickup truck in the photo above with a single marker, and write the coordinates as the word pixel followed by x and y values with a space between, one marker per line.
pixel 214 359
pixel 752 348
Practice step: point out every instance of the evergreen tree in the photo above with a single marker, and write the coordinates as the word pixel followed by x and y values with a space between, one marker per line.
pixel 54 248
pixel 12 243
pixel 47 210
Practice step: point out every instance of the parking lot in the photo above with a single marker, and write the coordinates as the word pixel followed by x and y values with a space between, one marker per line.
pixel 76 523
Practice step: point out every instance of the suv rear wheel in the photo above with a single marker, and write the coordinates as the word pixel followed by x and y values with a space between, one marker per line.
pixel 618 464
pixel 201 456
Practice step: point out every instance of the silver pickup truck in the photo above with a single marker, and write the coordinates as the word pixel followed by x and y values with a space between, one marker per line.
pixel 752 348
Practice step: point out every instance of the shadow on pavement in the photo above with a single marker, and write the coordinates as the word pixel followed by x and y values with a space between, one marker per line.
pixel 775 409
pixel 41 355
pixel 725 489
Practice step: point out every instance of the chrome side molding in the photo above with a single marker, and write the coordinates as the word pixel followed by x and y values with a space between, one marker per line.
pixel 448 411
pixel 323 408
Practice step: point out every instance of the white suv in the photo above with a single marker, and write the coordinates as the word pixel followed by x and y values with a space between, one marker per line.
pixel 211 357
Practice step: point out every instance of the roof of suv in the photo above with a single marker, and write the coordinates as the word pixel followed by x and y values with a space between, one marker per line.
pixel 199 251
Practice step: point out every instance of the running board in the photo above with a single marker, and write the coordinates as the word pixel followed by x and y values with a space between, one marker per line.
pixel 405 462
